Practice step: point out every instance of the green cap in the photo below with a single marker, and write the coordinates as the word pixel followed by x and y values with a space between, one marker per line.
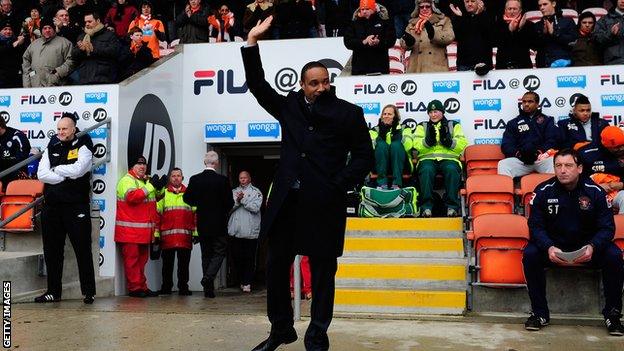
pixel 435 105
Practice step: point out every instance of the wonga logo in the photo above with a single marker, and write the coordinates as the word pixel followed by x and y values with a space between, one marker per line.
pixel 5 100
pixel 220 130
pixel 99 133
pixel 613 119
pixel 263 130
pixel 487 104
pixel 612 79
pixel 612 100
pixel 101 203
pixel 100 170
pixel 151 135
pixel 368 89
pixel 411 106
pixel 571 81
pixel 31 117
pixel 224 81
pixel 445 86
pixel 370 108
pixel 96 98
pixel 489 123
pixel 487 84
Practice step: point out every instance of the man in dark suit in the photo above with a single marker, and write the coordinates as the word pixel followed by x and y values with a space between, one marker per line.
pixel 211 193
pixel 325 150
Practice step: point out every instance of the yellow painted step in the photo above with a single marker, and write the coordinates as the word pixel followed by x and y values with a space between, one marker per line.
pixel 403 244
pixel 401 298
pixel 404 224
pixel 401 271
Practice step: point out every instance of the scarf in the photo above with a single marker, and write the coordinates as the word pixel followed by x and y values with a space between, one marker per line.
pixel 508 19
pixel 420 24
pixel 87 37
pixel 583 32
pixel 223 31
pixel 146 18
pixel 119 12
pixel 179 190
pixel 6 40
pixel 34 29
pixel 135 47
pixel 195 10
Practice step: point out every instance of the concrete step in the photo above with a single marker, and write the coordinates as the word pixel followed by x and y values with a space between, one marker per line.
pixel 366 301
pixel 104 287
pixel 23 241
pixel 402 273
pixel 22 269
pixel 403 247
pixel 405 227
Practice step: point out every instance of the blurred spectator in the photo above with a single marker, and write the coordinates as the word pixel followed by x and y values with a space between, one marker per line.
pixel 96 53
pixel 295 19
pixel 7 14
pixel 48 8
pixel 136 56
pixel 192 23
pixel 244 228
pixel 555 33
pixel 370 35
pixel 583 125
pixel 402 11
pixel 586 51
pixel 47 60
pixel 439 143
pixel 64 28
pixel 335 15
pixel 119 17
pixel 78 11
pixel 392 143
pixel 529 140
pixel 610 34
pixel 256 11
pixel 428 33
pixel 32 24
pixel 222 25
pixel 68 4
pixel 514 36
pixel 474 35
pixel 14 148
pixel 153 29
pixel 11 50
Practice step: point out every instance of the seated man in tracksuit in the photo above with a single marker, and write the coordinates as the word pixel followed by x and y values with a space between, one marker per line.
pixel 603 161
pixel 529 140
pixel 570 212
pixel 582 126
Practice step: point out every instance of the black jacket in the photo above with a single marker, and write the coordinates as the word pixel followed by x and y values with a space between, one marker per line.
pixel 474 36
pixel 14 148
pixel 597 159
pixel 570 219
pixel 132 63
pixel 295 19
pixel 557 46
pixel 314 150
pixel 571 130
pixel 367 59
pixel 101 66
pixel 513 47
pixel 212 194
pixel 11 64
pixel 529 134
pixel 193 29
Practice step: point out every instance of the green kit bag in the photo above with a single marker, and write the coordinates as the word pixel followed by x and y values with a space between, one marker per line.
pixel 388 203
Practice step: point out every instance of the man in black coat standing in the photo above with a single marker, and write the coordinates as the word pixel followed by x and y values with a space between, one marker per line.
pixel 211 193
pixel 325 150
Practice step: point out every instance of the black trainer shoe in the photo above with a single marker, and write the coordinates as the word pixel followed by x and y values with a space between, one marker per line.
pixel 47 297
pixel 185 292
pixel 535 323
pixel 164 292
pixel 613 323
pixel 137 293
pixel 88 299
pixel 150 293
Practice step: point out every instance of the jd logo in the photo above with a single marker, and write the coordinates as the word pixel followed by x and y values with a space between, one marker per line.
pixel 5 116
pixel 98 186
pixel 531 82
pixel 100 150
pixel 99 114
pixel 65 98
pixel 451 105
pixel 151 135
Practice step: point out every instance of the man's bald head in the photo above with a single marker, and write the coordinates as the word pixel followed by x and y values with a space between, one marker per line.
pixel 244 178
pixel 66 128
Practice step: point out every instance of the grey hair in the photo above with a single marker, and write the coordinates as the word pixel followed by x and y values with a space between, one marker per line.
pixel 211 158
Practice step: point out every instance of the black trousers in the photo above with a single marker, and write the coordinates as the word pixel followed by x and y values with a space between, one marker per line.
pixel 281 254
pixel 213 250
pixel 168 257
pixel 73 220
pixel 244 258
pixel 534 261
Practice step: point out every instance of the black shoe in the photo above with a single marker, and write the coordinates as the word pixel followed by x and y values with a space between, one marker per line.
pixel 535 323
pixel 613 323
pixel 137 293
pixel 150 293
pixel 185 292
pixel 164 292
pixel 88 299
pixel 47 297
pixel 209 293
pixel 275 340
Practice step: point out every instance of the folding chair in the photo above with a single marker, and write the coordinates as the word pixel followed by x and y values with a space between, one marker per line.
pixel 19 194
pixel 482 159
pixel 527 187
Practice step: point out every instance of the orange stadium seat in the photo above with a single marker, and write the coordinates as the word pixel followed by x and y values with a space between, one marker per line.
pixel 489 193
pixel 482 159
pixel 619 231
pixel 527 186
pixel 498 243
pixel 19 194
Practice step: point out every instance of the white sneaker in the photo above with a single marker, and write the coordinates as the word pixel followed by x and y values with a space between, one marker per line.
pixel 426 213
pixel 246 288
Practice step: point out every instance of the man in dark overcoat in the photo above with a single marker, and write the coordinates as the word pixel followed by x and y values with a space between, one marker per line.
pixel 325 150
